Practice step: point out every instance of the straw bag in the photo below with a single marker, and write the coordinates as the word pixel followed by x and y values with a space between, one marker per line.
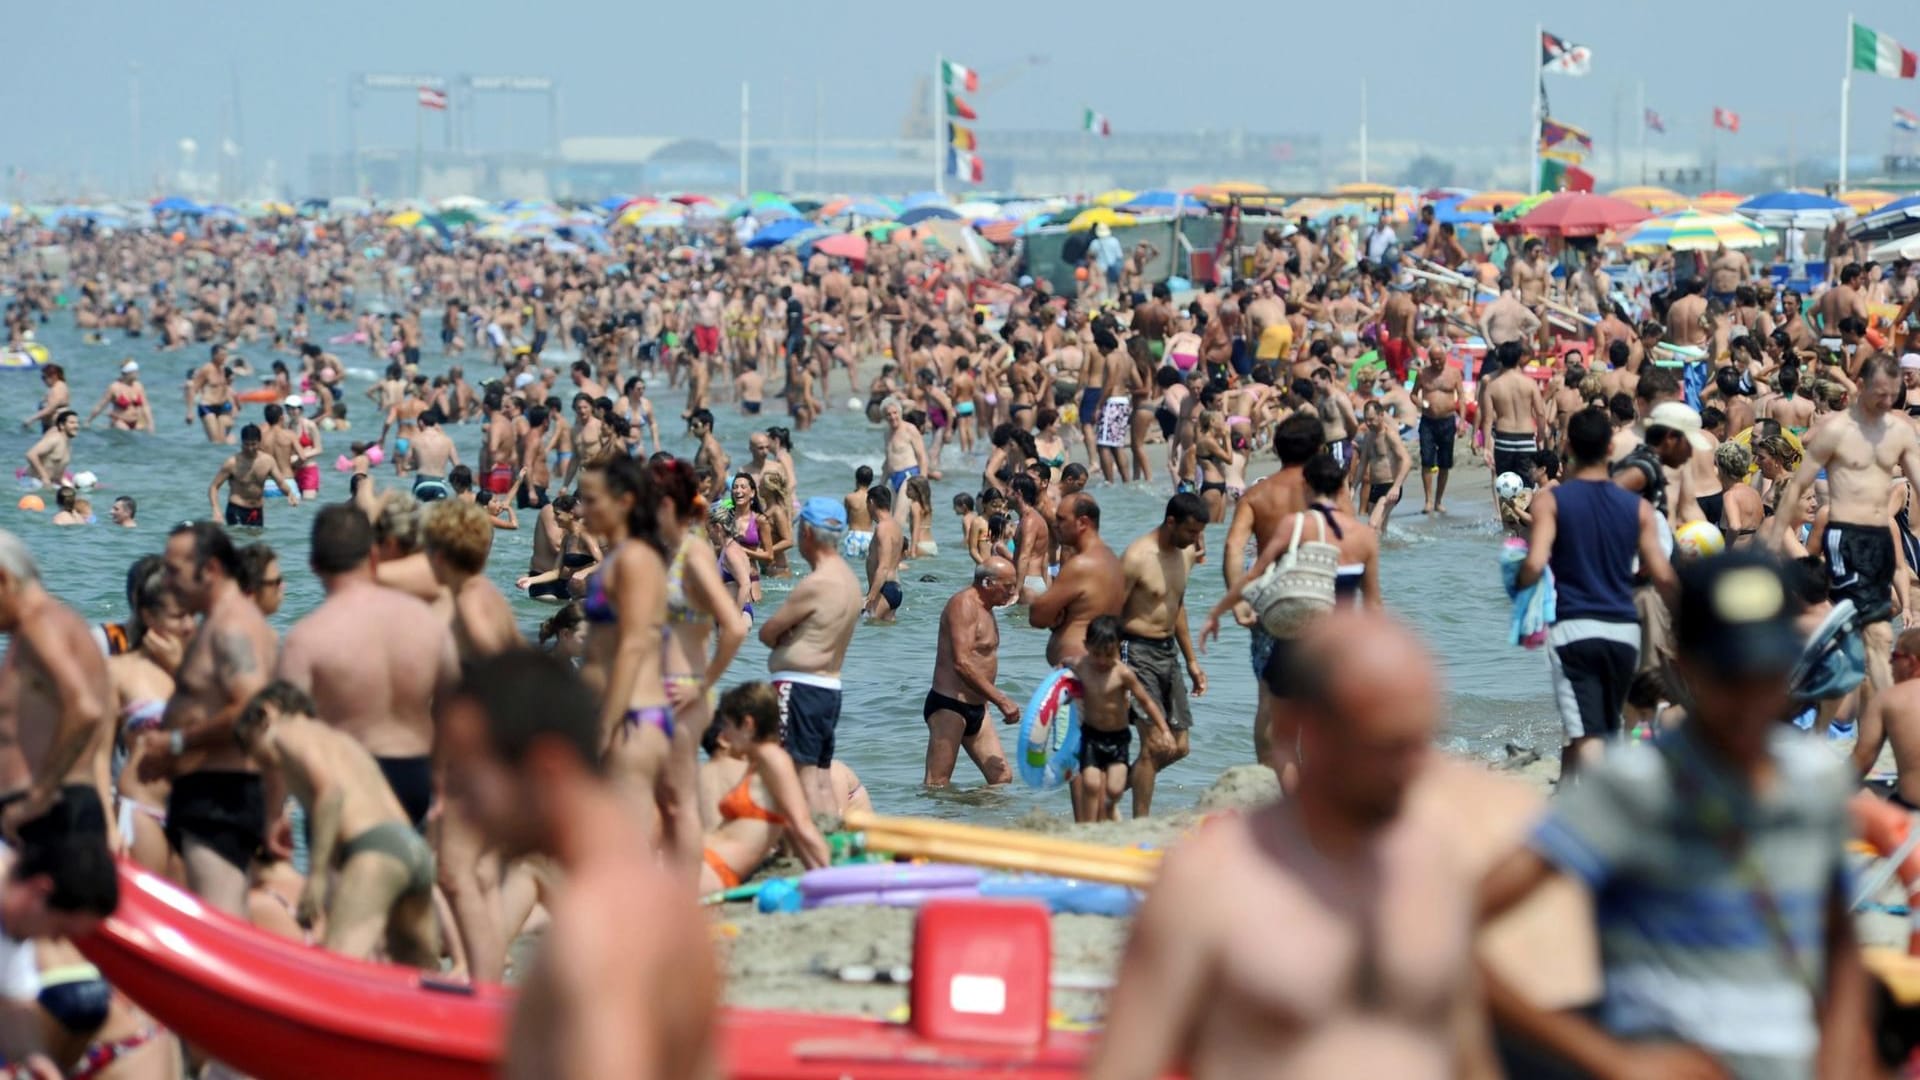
pixel 1298 586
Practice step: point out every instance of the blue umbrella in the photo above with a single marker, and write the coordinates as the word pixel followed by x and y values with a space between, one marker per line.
pixel 927 213
pixel 1165 200
pixel 1781 209
pixel 1894 219
pixel 614 202
pixel 1449 213
pixel 779 232
pixel 870 209
pixel 924 198
pixel 175 204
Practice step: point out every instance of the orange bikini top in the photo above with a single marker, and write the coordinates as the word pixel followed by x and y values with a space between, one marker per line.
pixel 738 803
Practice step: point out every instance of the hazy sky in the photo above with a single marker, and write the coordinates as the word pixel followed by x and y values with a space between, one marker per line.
pixel 1439 74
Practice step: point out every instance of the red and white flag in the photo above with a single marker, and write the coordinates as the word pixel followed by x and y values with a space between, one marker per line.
pixel 1726 119
pixel 1654 123
pixel 433 99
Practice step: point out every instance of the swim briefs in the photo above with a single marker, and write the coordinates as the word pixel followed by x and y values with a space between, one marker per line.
pixel 898 479
pixel 222 809
pixel 245 517
pixel 809 713
pixel 890 592
pixel 411 779
pixel 1100 749
pixel 974 715
pixel 500 479
pixel 400 843
pixel 76 812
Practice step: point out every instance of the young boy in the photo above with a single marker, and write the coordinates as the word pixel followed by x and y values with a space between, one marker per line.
pixel 1105 739
pixel 384 887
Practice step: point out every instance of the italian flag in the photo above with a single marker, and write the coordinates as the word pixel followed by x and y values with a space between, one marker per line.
pixel 1881 54
pixel 958 108
pixel 964 78
pixel 1096 123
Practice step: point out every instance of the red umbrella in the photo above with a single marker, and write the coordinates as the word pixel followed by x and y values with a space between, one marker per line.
pixel 843 246
pixel 1576 213
pixel 690 200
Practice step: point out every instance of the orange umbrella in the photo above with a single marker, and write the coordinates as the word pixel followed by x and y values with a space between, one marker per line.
pixel 1719 202
pixel 1647 197
pixel 1486 201
pixel 1865 200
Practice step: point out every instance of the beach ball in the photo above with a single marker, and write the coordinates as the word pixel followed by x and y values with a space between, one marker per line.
pixel 1509 485
pixel 1699 539
pixel 33 504
pixel 1079 273
pixel 853 404
pixel 86 481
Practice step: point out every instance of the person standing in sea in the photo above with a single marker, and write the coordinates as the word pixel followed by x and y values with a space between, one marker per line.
pixel 1154 635
pixel 808 637
pixel 966 670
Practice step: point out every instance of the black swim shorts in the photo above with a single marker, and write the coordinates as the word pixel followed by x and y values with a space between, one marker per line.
pixel 1436 441
pixel 890 592
pixel 411 778
pixel 222 809
pixel 974 715
pixel 245 517
pixel 809 713
pixel 1100 749
pixel 76 813
pixel 1860 562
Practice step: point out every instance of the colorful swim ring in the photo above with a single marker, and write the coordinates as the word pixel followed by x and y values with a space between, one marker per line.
pixel 267 395
pixel 1049 741
pixel 25 357
pixel 862 879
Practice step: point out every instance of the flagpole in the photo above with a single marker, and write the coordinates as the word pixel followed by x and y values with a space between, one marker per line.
pixel 1846 101
pixel 1533 125
pixel 1363 131
pixel 939 154
pixel 1643 130
pixel 743 139
pixel 419 147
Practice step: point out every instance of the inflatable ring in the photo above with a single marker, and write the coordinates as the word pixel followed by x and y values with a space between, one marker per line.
pixel 26 357
pixel 1049 741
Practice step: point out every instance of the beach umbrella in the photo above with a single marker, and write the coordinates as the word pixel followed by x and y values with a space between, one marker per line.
pixel 692 200
pixel 998 232
pixel 1801 209
pixel 1492 201
pixel 1866 200
pixel 1900 247
pixel 1647 197
pixel 1114 197
pixel 805 206
pixel 455 217
pixel 880 230
pixel 1717 202
pixel 1365 188
pixel 405 219
pixel 1696 230
pixel 843 246
pixel 872 209
pixel 1448 212
pixel 927 212
pixel 1576 213
pixel 924 198
pixel 1901 218
pixel 177 204
pixel 660 218
pixel 779 232
pixel 1165 201
pixel 977 210
pixel 1033 225
pixel 1224 188
pixel 705 211
pixel 1099 215
pixel 774 210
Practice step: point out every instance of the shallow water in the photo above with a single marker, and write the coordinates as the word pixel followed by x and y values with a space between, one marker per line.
pixel 1439 573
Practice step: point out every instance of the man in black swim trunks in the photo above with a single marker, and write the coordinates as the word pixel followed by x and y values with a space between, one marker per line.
pixel 216 814
pixel 964 672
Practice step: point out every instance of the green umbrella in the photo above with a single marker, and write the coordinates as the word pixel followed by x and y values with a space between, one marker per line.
pixel 457 217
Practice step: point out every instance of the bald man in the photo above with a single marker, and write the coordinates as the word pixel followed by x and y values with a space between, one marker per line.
pixel 1327 934
pixel 1090 584
pixel 964 671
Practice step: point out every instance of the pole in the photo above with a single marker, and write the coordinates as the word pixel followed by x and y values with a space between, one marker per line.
pixel 1846 102
pixel 819 114
pixel 1363 131
pixel 333 140
pixel 939 156
pixel 1642 98
pixel 1615 136
pixel 419 150
pixel 1533 122
pixel 1086 151
pixel 353 140
pixel 1793 151
pixel 135 172
pixel 743 140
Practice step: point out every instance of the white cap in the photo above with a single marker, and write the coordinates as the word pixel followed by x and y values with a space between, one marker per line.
pixel 129 367
pixel 1681 417
pixel 295 401
pixel 1910 362
pixel 522 379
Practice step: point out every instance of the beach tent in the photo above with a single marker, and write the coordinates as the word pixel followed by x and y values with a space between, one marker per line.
pixel 1795 209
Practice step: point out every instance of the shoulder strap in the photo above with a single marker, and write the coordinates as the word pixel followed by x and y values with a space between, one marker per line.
pixel 1299 523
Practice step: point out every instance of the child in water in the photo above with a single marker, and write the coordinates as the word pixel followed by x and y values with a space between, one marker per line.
pixel 1107 686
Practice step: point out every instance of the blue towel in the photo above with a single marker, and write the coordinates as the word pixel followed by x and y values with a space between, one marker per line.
pixel 1534 608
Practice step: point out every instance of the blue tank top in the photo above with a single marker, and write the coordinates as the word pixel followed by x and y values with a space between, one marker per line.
pixel 1597 537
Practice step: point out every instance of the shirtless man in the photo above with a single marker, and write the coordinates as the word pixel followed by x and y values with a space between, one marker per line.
pixel 58 706
pixel 906 452
pixel 216 812
pixel 1507 319
pixel 459 536
pixel 1438 391
pixel 1090 583
pixel 1686 316
pixel 1155 638
pixel 384 891
pixel 277 439
pixel 1839 302
pixel 964 673
pixel 859 520
pixel 1859 449
pixel 245 475
pixel 808 636
pixel 210 397
pixel 710 455
pixel 496 448
pixel 1384 464
pixel 1726 272
pixel 534 474
pixel 610 994
pixel 1115 431
pixel 1512 412
pixel 434 455
pixel 1362 963
pixel 1893 716
pixel 1256 518
pixel 1034 539
pixel 883 557
pixel 1532 276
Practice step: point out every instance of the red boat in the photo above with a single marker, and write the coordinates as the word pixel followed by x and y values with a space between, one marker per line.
pixel 279 1010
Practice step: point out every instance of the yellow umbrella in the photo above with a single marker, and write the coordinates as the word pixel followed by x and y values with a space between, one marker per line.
pixel 405 219
pixel 1718 202
pixel 1116 197
pixel 1099 215
pixel 1648 197
pixel 1487 200
pixel 1865 200
pixel 1367 189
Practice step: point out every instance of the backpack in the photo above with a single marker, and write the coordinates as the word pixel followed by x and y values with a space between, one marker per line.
pixel 1298 586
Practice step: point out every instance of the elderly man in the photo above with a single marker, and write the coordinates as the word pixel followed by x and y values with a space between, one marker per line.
pixel 964 671
pixel 809 636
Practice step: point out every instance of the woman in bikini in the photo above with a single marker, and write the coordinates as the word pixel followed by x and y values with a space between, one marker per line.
pixel 748 771
pixel 778 512
pixel 918 527
pixel 141 681
pixel 736 568
pixel 1048 444
pixel 127 400
pixel 626 609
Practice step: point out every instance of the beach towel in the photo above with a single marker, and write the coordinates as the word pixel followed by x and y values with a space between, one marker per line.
pixel 1534 607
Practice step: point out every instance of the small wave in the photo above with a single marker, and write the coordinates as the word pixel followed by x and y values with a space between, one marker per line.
pixel 854 460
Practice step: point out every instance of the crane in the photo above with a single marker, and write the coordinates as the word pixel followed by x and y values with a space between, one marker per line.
pixel 918 124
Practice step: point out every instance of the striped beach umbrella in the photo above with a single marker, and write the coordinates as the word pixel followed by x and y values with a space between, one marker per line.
pixel 1696 230
pixel 1486 201
pixel 1648 197
pixel 1866 200
pixel 1718 202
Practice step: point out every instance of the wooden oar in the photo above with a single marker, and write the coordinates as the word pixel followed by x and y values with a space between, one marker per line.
pixel 1005 849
